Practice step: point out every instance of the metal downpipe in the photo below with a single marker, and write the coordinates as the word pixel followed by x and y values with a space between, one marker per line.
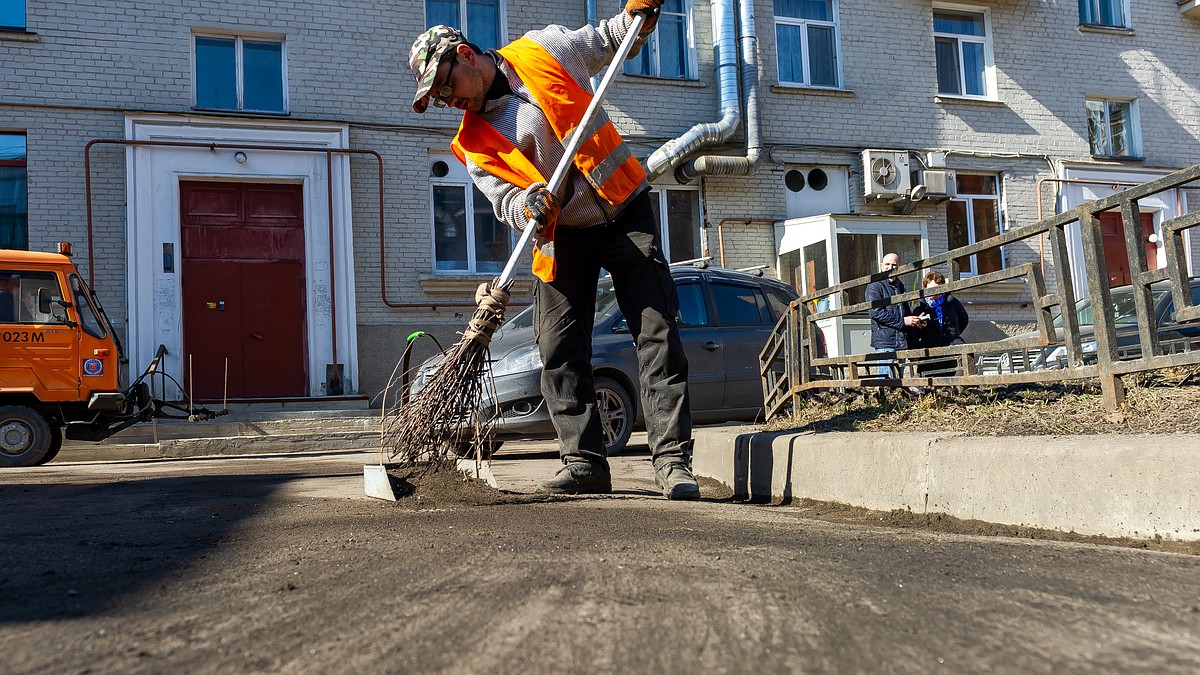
pixel 722 165
pixel 707 134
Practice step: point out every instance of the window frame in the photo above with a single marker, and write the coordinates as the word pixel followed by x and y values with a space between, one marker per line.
pixel 458 177
pixel 658 193
pixel 803 24
pixel 1126 14
pixel 501 20
pixel 989 60
pixel 22 163
pixel 240 69
pixel 969 199
pixel 690 67
pixel 1134 128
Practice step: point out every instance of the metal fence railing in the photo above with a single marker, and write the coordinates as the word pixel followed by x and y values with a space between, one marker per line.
pixel 1057 351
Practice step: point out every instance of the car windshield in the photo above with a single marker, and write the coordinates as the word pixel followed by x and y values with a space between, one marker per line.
pixel 1124 311
pixel 606 299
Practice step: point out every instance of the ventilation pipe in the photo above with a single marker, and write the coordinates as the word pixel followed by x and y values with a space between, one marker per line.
pixel 706 134
pixel 673 154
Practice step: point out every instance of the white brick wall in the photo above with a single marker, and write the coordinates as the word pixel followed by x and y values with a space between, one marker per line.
pixel 98 59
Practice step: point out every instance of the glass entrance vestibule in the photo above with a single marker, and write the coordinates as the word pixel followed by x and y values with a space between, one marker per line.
pixel 854 245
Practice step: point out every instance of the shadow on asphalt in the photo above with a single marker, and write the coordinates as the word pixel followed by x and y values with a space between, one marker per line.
pixel 70 551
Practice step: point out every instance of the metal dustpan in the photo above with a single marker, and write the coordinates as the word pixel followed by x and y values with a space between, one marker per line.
pixel 377 482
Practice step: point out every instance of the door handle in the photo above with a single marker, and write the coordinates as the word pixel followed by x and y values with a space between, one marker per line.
pixel 711 346
pixel 256 336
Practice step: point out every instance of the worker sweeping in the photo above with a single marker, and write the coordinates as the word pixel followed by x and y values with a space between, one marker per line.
pixel 521 103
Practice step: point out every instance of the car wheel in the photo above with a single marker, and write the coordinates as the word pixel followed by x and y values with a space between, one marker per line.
pixel 56 441
pixel 25 436
pixel 615 406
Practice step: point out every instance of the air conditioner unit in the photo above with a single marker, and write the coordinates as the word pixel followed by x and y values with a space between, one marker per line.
pixel 939 184
pixel 885 173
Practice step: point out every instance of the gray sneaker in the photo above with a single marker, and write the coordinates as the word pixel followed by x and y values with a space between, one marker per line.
pixel 579 478
pixel 676 481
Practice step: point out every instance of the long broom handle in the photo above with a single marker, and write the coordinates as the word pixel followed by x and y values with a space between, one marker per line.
pixel 575 140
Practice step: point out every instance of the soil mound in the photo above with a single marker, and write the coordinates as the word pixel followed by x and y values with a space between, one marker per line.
pixel 442 486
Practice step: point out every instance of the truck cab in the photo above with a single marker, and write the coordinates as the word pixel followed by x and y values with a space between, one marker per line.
pixel 59 361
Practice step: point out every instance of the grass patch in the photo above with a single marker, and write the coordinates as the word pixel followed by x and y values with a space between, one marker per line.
pixel 1157 402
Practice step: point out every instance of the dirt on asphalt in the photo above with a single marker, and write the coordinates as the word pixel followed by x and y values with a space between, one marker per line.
pixel 444 487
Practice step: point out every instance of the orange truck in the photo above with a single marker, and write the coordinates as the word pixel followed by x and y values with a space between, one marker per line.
pixel 60 362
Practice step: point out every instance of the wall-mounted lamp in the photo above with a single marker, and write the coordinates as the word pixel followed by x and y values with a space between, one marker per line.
pixel 239 157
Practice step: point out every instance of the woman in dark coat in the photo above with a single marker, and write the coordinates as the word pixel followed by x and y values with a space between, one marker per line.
pixel 943 320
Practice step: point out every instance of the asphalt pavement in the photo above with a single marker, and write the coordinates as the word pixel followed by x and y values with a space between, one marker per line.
pixel 280 564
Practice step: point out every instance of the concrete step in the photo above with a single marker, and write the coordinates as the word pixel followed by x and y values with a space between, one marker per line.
pixel 314 439
pixel 234 425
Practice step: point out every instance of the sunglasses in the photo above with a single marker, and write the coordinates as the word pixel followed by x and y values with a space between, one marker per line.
pixel 447 89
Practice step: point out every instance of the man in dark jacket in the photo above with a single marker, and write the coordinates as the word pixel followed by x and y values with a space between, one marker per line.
pixel 889 323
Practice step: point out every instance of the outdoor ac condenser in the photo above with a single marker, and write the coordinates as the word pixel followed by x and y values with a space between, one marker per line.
pixel 939 184
pixel 885 173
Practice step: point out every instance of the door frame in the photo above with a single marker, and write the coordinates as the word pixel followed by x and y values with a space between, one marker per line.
pixel 153 214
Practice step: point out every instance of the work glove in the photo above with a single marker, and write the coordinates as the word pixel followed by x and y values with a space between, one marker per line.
pixel 540 204
pixel 649 8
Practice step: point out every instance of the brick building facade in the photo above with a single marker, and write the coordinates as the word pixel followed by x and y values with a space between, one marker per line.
pixel 267 92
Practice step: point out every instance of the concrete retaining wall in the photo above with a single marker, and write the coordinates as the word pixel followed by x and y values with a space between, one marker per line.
pixel 1131 486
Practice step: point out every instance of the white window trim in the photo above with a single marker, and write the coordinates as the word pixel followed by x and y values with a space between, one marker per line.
pixel 971 238
pixel 1126 16
pixel 691 66
pixel 240 68
pixel 837 47
pixel 501 30
pixel 659 193
pixel 989 60
pixel 1135 125
pixel 457 177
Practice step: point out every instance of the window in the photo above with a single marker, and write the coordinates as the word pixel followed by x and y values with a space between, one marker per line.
pixel 859 255
pixel 963 49
pixel 89 319
pixel 467 236
pixel 14 206
pixel 739 305
pixel 12 14
pixel 19 301
pixel 484 19
pixel 679 229
pixel 236 73
pixel 806 42
pixel 1113 128
pixel 972 217
pixel 1113 13
pixel 668 52
pixel 692 310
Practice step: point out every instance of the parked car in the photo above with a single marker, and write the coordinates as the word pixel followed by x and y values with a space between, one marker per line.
pixel 1173 336
pixel 725 317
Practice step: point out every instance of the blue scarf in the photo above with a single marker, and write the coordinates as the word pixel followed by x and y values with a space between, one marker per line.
pixel 936 304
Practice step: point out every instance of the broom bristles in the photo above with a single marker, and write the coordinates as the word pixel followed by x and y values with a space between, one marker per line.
pixel 446 418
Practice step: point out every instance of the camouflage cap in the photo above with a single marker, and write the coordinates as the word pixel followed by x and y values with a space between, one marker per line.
pixel 425 57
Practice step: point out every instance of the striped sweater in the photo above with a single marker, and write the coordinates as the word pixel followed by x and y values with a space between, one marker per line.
pixel 582 53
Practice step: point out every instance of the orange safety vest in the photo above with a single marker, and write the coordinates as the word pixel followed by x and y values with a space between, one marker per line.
pixel 602 159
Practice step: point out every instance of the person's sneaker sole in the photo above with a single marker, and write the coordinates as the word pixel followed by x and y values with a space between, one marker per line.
pixel 683 492
pixel 590 490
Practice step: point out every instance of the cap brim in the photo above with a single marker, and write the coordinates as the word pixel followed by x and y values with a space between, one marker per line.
pixel 421 98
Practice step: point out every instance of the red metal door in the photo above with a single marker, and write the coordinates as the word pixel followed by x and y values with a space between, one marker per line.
pixel 1116 255
pixel 243 289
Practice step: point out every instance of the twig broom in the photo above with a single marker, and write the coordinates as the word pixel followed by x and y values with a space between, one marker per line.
pixel 446 415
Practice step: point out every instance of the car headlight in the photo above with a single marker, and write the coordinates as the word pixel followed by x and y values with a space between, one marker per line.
pixel 1089 346
pixel 518 361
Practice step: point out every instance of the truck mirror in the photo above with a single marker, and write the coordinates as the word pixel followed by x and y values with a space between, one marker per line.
pixel 44 300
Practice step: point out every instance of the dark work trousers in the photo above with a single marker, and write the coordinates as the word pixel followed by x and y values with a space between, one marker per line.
pixel 628 248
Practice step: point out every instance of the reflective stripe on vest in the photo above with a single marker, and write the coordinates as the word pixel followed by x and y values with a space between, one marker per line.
pixel 602 158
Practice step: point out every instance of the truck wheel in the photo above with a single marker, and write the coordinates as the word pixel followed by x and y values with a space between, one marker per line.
pixel 25 436
pixel 56 441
